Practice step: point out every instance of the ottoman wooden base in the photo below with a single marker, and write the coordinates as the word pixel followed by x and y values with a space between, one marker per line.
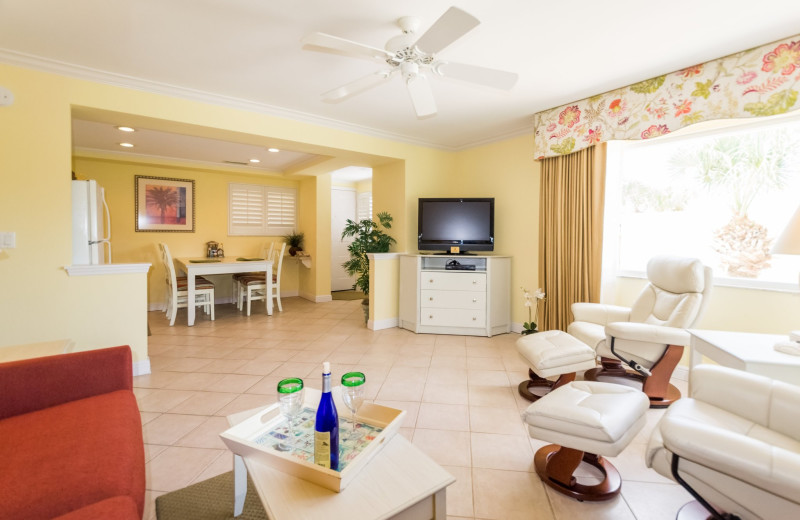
pixel 526 388
pixel 556 466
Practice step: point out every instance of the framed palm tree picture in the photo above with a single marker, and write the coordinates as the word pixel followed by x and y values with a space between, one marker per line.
pixel 164 204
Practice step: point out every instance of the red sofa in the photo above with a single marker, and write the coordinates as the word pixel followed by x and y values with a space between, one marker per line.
pixel 71 438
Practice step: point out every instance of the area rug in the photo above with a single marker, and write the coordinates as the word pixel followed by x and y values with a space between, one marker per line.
pixel 210 499
pixel 347 295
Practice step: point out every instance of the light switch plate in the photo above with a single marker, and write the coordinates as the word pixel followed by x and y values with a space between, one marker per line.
pixel 8 240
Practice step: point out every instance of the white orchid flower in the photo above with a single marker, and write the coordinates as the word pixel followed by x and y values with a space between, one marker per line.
pixel 539 294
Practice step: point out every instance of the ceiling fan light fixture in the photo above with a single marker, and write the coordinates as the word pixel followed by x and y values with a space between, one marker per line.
pixel 409 69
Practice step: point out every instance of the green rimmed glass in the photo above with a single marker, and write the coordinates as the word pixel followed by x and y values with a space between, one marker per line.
pixel 353 396
pixel 290 399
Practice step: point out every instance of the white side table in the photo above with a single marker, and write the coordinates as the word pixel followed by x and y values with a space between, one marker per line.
pixel 745 351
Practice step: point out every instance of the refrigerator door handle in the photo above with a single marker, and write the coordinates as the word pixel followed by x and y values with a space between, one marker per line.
pixel 107 239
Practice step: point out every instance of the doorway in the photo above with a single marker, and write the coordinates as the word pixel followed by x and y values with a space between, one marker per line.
pixel 351 198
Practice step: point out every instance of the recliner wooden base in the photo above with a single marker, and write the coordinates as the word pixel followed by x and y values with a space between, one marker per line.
pixel 659 390
pixel 526 387
pixel 556 466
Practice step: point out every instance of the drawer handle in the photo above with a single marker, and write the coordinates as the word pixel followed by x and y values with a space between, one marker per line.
pixel 474 300
pixel 431 298
pixel 474 282
pixel 430 316
pixel 430 281
pixel 474 318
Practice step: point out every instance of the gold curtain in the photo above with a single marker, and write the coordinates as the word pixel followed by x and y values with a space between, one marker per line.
pixel 571 232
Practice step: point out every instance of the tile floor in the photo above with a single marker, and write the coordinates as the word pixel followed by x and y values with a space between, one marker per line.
pixel 459 392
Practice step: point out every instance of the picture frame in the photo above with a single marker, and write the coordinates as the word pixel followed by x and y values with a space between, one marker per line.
pixel 164 204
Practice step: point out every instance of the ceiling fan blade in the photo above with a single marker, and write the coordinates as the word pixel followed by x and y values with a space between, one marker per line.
pixel 451 26
pixel 322 42
pixel 480 75
pixel 421 96
pixel 356 87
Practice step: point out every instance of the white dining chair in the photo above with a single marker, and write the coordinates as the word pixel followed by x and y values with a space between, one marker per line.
pixel 265 252
pixel 178 292
pixel 253 288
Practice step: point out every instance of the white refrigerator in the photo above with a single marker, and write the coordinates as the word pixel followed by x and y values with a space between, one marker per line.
pixel 91 224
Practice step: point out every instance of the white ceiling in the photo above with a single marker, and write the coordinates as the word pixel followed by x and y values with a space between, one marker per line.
pixel 249 52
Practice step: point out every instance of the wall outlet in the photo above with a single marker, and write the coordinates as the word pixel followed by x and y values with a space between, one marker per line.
pixel 6 97
pixel 8 240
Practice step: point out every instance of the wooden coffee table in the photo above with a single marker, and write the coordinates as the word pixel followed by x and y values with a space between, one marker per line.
pixel 400 482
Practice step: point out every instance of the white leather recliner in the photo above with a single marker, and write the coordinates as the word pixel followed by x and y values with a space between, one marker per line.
pixel 649 337
pixel 734 444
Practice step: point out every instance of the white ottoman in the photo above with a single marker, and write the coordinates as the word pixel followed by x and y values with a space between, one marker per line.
pixel 552 353
pixel 586 420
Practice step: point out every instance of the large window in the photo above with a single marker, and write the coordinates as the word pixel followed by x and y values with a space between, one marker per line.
pixel 260 210
pixel 723 196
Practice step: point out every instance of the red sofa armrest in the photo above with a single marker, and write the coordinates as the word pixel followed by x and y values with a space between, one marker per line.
pixel 33 384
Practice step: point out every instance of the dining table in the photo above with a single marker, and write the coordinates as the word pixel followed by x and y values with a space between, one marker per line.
pixel 199 266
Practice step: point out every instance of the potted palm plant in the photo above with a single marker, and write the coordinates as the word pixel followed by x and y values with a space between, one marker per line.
pixel 369 237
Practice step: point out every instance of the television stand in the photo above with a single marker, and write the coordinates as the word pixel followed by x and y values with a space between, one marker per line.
pixel 473 300
pixel 462 253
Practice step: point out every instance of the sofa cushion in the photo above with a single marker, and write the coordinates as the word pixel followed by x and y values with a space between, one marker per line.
pixel 66 457
pixel 118 508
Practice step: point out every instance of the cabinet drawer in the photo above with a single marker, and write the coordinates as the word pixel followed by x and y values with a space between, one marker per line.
pixel 452 317
pixel 453 281
pixel 453 300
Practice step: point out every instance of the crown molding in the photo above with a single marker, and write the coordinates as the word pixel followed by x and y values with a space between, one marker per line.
pixel 120 80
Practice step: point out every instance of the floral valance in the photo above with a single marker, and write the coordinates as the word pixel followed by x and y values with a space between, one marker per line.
pixel 758 82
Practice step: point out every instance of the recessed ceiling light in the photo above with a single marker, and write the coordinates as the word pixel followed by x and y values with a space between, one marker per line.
pixel 126 145
pixel 255 161
pixel 126 129
pixel 273 150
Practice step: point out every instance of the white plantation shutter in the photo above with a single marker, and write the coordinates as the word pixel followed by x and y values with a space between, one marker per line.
pixel 261 210
pixel 364 205
pixel 281 210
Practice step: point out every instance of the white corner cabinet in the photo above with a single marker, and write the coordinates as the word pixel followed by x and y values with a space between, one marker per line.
pixel 438 300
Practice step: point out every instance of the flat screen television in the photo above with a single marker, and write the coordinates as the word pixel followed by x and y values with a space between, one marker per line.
pixel 444 223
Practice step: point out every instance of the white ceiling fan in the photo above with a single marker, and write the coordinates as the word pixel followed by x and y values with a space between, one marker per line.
pixel 414 58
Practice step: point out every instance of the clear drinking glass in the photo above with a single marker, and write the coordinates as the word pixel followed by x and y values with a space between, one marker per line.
pixel 353 396
pixel 290 398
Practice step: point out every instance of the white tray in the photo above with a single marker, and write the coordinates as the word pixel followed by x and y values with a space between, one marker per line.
pixel 241 439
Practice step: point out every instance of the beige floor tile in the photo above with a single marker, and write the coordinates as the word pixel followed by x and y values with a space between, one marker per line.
pixel 194 381
pixel 459 494
pixel 400 390
pixel 247 402
pixel 494 451
pixel 441 381
pixel 454 393
pixel 222 464
pixel 169 427
pixel 566 508
pixel 494 396
pixel 204 403
pixel 485 363
pixel 236 383
pixel 206 435
pixel 411 408
pixel 487 378
pixel 163 400
pixel 449 448
pixel 652 501
pixel 434 416
pixel 487 419
pixel 509 495
pixel 176 467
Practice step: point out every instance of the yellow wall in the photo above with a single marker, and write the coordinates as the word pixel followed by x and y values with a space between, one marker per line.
pixel 506 171
pixel 211 220
pixel 40 302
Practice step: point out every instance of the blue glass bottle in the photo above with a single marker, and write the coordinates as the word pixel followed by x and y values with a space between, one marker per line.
pixel 326 426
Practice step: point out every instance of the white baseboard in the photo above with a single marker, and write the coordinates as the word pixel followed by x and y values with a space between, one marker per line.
pixel 316 298
pixel 388 323
pixel 141 368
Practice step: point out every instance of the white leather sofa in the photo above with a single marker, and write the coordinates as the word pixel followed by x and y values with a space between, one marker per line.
pixel 735 444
